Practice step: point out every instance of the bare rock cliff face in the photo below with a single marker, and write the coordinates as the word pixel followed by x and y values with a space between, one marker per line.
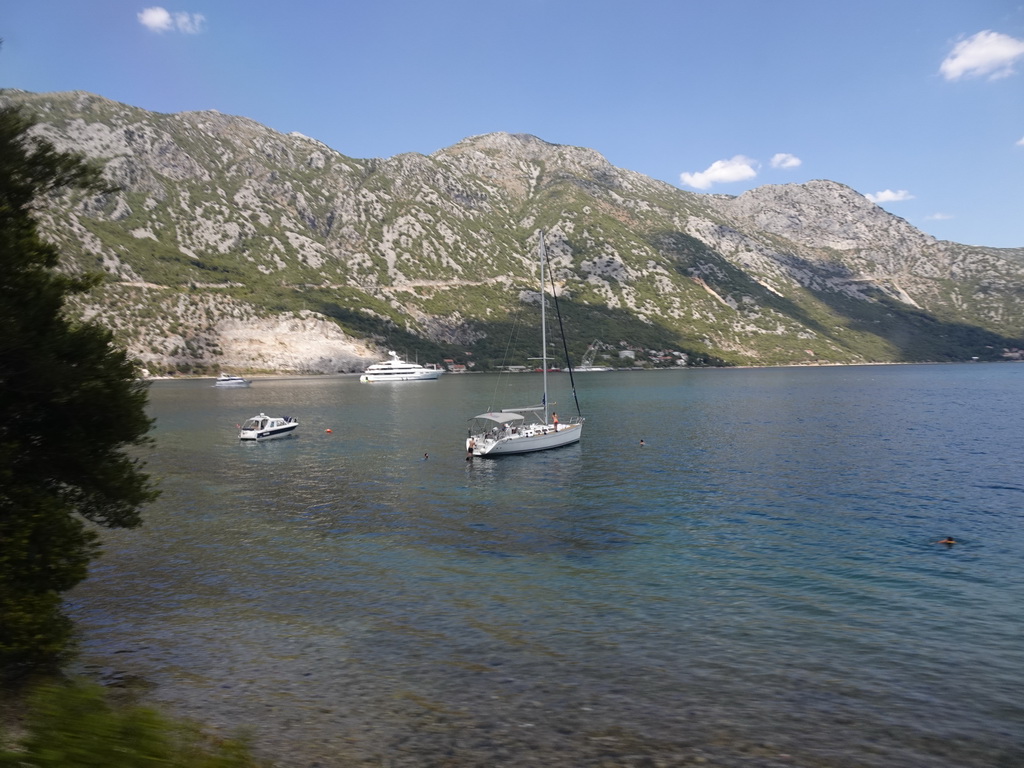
pixel 306 344
pixel 822 214
pixel 231 245
pixel 834 228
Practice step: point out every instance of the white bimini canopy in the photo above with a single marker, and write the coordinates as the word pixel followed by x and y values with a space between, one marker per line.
pixel 501 417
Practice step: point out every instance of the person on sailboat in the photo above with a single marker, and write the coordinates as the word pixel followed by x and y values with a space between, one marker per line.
pixel 554 420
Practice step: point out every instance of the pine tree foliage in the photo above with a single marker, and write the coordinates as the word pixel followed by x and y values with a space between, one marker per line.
pixel 71 410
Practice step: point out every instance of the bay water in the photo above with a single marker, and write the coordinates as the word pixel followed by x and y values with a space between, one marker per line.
pixel 759 583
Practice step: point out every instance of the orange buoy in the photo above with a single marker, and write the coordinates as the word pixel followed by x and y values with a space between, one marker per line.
pixel 327 430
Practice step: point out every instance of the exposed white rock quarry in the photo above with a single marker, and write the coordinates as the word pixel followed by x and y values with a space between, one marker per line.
pixel 306 344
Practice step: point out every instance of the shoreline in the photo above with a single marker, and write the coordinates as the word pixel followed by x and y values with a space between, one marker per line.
pixel 263 375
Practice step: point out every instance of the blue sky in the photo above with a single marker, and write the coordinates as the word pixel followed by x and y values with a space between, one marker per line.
pixel 917 103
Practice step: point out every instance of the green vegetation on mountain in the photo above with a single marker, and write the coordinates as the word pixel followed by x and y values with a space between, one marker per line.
pixel 220 221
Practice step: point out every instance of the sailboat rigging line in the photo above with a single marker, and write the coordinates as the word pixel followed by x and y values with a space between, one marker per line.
pixel 513 340
pixel 561 331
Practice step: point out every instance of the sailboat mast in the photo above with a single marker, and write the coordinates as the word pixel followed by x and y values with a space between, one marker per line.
pixel 543 328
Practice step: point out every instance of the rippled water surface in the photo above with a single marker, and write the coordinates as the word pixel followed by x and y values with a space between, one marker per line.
pixel 759 584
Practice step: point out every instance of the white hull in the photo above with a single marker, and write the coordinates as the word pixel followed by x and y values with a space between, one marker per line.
pixel 261 436
pixel 232 382
pixel 396 369
pixel 425 375
pixel 526 441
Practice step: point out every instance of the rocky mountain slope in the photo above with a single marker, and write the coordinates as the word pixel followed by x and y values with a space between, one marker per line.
pixel 230 245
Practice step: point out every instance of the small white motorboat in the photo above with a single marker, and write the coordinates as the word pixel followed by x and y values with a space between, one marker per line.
pixel 263 427
pixel 229 380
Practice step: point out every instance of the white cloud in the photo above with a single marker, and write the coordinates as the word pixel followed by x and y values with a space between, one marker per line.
pixel 1020 143
pixel 938 216
pixel 738 168
pixel 160 19
pixel 189 23
pixel 986 53
pixel 157 19
pixel 785 161
pixel 889 196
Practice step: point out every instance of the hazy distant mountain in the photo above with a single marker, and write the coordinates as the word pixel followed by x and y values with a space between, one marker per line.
pixel 232 245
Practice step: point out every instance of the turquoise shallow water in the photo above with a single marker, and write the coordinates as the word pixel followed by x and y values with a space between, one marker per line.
pixel 758 585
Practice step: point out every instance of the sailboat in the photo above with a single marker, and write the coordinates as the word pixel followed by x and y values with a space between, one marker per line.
pixel 497 433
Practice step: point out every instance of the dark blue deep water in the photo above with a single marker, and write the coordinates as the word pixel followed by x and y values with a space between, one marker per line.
pixel 759 585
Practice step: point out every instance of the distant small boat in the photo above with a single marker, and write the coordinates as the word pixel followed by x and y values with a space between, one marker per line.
pixel 263 427
pixel 397 369
pixel 228 380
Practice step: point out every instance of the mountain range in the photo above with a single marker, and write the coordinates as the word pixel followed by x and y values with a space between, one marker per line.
pixel 231 246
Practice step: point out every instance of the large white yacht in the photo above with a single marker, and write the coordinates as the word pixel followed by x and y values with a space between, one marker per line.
pixel 397 369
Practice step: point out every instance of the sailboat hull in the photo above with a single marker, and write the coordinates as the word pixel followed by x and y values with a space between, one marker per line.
pixel 526 441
